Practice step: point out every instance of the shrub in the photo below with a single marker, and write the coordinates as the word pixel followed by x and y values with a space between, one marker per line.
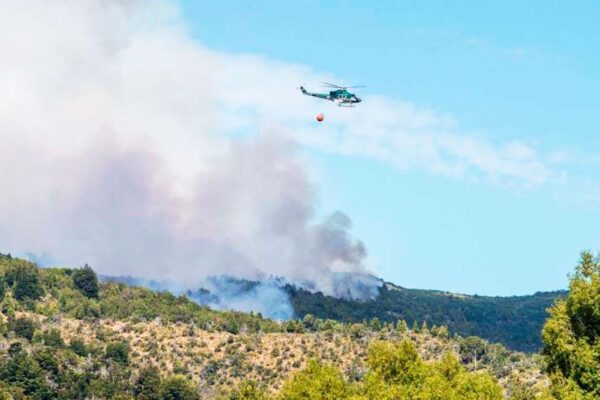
pixel 78 347
pixel 118 352
pixel 24 327
pixel 52 338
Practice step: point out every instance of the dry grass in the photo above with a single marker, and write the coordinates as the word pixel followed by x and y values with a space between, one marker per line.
pixel 220 360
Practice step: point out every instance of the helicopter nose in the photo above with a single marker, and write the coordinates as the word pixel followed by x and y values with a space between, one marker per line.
pixel 358 100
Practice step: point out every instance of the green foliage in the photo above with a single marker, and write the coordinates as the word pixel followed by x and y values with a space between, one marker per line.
pixel 21 370
pixel 401 326
pixel 78 347
pixel 86 281
pixel 179 388
pixel 513 321
pixel 440 331
pixel 248 390
pixel 396 371
pixel 397 364
pixel 51 337
pixel 118 352
pixel 24 327
pixel 472 349
pixel 316 382
pixel 572 335
pixel 148 384
pixel 106 368
pixel 25 281
pixel 375 324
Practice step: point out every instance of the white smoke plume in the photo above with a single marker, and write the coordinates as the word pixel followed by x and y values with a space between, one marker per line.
pixel 126 144
pixel 117 149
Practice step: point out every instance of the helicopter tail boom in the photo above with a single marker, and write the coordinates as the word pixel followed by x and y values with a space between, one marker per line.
pixel 318 95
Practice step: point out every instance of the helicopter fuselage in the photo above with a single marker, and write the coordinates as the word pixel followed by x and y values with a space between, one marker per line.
pixel 341 96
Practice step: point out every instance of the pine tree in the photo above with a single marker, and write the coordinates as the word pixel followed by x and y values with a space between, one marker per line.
pixel 424 328
pixel 415 327
pixel 375 324
pixel 401 326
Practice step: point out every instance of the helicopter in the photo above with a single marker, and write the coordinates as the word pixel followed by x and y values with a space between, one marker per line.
pixel 338 94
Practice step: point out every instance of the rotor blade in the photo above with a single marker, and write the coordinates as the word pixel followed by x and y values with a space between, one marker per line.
pixel 333 85
pixel 342 87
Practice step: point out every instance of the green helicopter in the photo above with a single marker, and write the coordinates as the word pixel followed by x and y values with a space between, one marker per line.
pixel 340 95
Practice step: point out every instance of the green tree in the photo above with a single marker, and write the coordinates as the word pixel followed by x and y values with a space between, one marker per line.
pixel 396 364
pixel 396 371
pixel 316 382
pixel 357 331
pixel 571 335
pixel 401 326
pixel 472 349
pixel 86 281
pixel 26 281
pixel 415 327
pixel 179 388
pixel 148 384
pixel 375 324
pixel 23 371
pixel 441 332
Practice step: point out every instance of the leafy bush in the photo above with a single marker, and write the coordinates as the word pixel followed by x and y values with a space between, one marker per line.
pixel 52 337
pixel 118 352
pixel 78 347
pixel 24 327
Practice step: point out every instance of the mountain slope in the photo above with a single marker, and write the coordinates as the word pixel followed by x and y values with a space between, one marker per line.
pixel 513 321
pixel 63 335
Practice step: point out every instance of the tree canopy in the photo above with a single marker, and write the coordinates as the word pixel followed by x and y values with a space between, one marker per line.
pixel 572 335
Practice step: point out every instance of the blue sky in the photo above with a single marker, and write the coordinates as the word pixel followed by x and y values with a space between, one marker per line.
pixel 510 71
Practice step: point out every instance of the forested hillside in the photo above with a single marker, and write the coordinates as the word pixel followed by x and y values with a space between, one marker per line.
pixel 64 335
pixel 513 321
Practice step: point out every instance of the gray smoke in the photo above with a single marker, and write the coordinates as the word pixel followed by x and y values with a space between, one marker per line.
pixel 267 297
pixel 119 150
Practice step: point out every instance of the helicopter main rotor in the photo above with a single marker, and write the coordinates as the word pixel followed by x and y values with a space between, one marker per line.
pixel 332 85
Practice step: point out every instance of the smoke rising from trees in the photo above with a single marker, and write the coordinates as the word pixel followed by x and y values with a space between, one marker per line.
pixel 120 149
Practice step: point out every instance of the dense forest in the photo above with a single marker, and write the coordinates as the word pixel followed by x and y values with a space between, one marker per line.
pixel 65 335
pixel 513 321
